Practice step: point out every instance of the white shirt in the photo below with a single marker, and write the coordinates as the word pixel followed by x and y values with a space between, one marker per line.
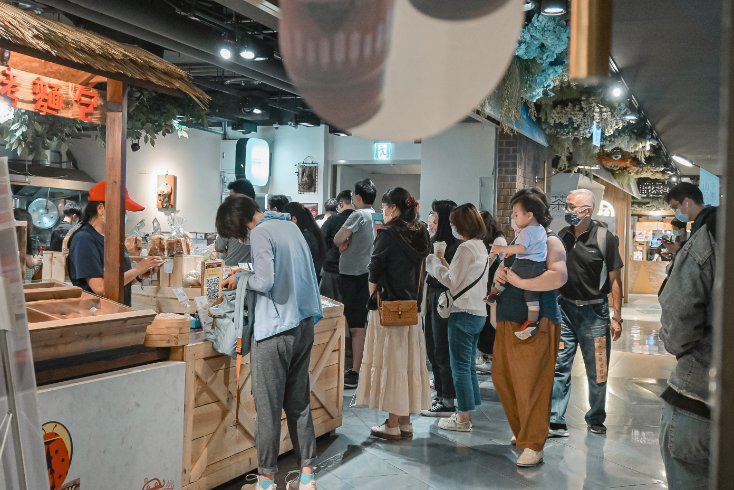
pixel 470 260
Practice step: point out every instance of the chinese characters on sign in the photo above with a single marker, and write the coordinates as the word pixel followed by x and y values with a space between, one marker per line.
pixel 46 95
pixel 652 187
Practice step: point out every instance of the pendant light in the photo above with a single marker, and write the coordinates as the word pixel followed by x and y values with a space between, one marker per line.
pixel 553 7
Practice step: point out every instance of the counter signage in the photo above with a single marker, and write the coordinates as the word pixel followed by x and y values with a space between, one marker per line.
pixel 46 95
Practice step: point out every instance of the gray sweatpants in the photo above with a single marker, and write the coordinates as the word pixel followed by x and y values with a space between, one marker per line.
pixel 280 381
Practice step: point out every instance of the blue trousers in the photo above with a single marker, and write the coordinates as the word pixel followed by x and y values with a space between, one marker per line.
pixel 587 328
pixel 464 330
pixel 684 444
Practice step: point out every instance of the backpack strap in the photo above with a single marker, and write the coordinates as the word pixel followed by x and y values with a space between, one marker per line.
pixel 601 241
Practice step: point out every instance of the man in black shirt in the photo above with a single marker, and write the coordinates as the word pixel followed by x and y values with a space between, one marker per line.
pixel 72 213
pixel 330 278
pixel 594 270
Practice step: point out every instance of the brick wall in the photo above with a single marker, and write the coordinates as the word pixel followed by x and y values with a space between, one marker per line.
pixel 519 161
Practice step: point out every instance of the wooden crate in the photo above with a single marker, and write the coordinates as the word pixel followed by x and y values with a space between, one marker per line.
pixel 50 290
pixel 162 299
pixel 69 339
pixel 54 266
pixel 216 449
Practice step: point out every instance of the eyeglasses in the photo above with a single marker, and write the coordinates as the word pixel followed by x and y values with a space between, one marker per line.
pixel 571 207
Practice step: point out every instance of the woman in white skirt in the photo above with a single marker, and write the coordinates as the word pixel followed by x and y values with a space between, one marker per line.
pixel 394 377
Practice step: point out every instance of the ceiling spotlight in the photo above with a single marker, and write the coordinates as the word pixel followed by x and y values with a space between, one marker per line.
pixel 247 53
pixel 617 91
pixel 529 5
pixel 257 111
pixel 225 52
pixel 631 117
pixel 674 178
pixel 338 132
pixel 682 161
pixel 553 7
pixel 135 146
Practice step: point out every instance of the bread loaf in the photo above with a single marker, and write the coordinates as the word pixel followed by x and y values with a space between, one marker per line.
pixel 157 246
pixel 134 245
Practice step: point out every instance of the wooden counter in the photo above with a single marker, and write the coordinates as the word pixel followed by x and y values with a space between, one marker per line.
pixel 215 448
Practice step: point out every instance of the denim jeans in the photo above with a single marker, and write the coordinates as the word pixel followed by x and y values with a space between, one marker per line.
pixel 588 328
pixel 437 347
pixel 684 444
pixel 464 330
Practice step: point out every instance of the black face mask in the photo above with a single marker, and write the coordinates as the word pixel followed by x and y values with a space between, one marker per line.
pixel 572 218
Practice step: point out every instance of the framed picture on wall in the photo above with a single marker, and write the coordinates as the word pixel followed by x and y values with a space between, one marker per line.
pixel 308 176
pixel 166 192
pixel 312 207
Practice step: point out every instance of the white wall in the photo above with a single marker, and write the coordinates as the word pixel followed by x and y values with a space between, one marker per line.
pixel 290 146
pixel 454 162
pixel 349 175
pixel 194 161
pixel 354 149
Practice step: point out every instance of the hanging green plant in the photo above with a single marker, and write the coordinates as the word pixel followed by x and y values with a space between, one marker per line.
pixel 152 114
pixel 31 134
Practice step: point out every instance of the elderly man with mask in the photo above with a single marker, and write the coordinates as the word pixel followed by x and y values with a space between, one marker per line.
pixel 594 270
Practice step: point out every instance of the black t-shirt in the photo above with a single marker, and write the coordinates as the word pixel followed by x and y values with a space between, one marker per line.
pixel 330 229
pixel 58 235
pixel 86 260
pixel 585 263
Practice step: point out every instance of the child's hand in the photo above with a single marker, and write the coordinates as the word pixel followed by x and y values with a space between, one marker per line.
pixel 497 249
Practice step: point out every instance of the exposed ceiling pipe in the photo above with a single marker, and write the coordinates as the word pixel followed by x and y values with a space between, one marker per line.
pixel 140 21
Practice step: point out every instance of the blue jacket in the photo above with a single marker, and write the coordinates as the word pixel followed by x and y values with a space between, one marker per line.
pixel 284 278
pixel 688 315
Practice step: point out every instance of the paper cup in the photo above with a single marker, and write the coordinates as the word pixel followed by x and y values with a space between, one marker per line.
pixel 439 248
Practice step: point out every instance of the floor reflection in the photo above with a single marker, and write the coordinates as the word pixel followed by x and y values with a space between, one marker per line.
pixel 629 455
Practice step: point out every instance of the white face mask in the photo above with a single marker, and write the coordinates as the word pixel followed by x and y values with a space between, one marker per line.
pixel 456 233
pixel 514 226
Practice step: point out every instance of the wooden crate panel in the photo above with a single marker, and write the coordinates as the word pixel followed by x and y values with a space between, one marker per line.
pixel 218 449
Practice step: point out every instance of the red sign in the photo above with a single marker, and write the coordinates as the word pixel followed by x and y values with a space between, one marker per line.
pixel 50 96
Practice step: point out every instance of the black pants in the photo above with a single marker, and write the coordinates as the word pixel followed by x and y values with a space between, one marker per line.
pixel 486 338
pixel 437 346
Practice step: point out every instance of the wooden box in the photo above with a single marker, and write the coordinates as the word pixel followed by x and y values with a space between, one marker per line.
pixel 162 299
pixel 54 266
pixel 216 449
pixel 86 335
pixel 38 291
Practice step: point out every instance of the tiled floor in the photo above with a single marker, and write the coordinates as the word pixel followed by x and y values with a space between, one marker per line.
pixel 628 456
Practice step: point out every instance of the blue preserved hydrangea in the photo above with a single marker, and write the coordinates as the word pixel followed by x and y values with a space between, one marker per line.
pixel 545 41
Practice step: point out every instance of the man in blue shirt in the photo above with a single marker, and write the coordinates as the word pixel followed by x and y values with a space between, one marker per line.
pixel 288 305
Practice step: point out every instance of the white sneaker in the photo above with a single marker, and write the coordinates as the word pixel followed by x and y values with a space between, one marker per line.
pixel 452 423
pixel 385 432
pixel 293 482
pixel 529 458
pixel 485 367
pixel 513 441
pixel 433 384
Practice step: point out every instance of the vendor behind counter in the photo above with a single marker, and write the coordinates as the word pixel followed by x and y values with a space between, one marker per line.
pixel 86 249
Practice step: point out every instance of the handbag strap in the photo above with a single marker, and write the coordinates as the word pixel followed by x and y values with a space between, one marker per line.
pixel 486 264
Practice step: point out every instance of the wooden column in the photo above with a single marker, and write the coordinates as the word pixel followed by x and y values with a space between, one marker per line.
pixel 722 370
pixel 591 40
pixel 115 189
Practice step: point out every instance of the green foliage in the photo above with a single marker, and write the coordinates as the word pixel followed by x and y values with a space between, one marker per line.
pixel 30 134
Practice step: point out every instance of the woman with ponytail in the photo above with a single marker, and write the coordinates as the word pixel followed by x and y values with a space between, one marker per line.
pixel 394 375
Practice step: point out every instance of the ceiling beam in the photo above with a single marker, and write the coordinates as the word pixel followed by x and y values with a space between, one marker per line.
pixel 136 18
pixel 262 11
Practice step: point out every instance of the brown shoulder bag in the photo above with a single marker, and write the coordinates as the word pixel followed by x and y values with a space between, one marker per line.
pixel 402 313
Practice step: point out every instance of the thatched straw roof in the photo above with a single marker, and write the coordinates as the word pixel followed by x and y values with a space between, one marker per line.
pixel 53 41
